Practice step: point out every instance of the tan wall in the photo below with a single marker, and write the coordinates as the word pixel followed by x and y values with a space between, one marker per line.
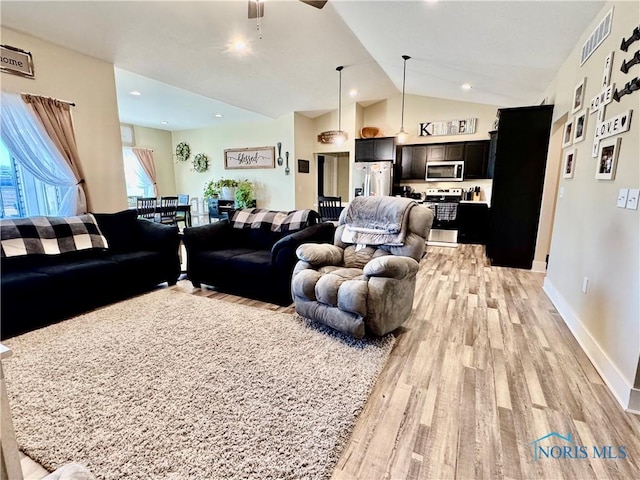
pixel 275 190
pixel 90 84
pixel 160 142
pixel 591 237
pixel 386 115
pixel 306 185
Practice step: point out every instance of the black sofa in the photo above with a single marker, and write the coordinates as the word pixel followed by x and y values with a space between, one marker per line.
pixel 253 262
pixel 39 289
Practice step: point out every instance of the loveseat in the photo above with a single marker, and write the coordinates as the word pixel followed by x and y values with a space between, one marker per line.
pixel 253 252
pixel 56 267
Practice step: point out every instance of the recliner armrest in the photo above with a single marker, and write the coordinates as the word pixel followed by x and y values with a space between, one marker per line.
pixel 283 252
pixel 319 255
pixel 213 236
pixel 391 266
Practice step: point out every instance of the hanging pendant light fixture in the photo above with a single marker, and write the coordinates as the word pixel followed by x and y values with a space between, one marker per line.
pixel 342 136
pixel 336 137
pixel 402 135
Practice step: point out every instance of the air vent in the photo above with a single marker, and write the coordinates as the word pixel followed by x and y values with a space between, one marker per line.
pixel 601 32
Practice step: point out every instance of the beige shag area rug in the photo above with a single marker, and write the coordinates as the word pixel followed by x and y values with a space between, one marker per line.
pixel 171 385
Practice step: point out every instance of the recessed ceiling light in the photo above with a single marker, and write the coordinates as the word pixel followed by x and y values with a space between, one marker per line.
pixel 135 93
pixel 353 92
pixel 164 122
pixel 219 115
pixel 466 86
pixel 239 45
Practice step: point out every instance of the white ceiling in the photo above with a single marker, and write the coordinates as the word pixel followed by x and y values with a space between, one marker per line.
pixel 179 55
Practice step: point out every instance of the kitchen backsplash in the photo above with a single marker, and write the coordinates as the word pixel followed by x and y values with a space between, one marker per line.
pixel 484 184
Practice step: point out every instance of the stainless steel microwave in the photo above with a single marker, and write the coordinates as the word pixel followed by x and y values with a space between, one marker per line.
pixel 445 171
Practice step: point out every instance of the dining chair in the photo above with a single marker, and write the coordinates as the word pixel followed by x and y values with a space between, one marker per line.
pixel 168 210
pixel 330 208
pixel 183 199
pixel 146 207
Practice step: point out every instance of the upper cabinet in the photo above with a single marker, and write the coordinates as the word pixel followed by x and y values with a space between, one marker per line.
pixel 476 155
pixel 413 158
pixel 376 149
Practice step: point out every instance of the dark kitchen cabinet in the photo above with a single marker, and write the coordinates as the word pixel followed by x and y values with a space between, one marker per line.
pixel 522 141
pixel 476 156
pixel 473 222
pixel 444 152
pixel 491 161
pixel 375 149
pixel 413 160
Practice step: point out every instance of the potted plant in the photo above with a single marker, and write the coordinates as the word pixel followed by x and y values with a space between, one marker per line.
pixel 223 188
pixel 244 195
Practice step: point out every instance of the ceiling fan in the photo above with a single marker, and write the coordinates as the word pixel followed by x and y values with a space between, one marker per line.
pixel 256 7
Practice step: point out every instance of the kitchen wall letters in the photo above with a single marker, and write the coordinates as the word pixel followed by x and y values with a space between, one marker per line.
pixel 447 127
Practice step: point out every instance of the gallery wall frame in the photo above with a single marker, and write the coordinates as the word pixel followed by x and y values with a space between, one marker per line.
pixel 569 164
pixel 580 126
pixel 567 136
pixel 250 157
pixel 607 160
pixel 578 96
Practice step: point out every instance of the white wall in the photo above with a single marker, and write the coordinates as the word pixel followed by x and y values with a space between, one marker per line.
pixel 90 84
pixel 275 190
pixel 306 186
pixel 591 237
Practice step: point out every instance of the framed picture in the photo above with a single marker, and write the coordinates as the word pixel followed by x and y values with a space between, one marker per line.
pixel 567 137
pixel 569 163
pixel 578 96
pixel 608 159
pixel 303 166
pixel 580 127
pixel 255 157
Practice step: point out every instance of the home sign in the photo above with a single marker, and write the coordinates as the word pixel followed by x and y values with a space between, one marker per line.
pixel 16 61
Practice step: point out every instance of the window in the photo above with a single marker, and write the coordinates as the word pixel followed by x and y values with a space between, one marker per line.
pixel 23 195
pixel 138 182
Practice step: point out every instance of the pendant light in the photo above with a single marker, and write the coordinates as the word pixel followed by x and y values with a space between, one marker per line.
pixel 402 135
pixel 342 136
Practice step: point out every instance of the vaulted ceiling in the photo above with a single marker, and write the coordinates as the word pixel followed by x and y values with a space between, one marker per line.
pixel 182 56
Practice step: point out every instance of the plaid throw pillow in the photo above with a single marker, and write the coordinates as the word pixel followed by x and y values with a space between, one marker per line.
pixel 49 235
pixel 273 220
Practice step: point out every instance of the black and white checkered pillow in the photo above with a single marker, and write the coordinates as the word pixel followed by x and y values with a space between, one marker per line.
pixel 49 235
pixel 274 220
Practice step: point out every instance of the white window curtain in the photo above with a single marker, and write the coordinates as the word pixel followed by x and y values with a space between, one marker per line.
pixel 138 182
pixel 28 141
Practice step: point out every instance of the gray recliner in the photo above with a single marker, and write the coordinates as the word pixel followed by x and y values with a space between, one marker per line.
pixel 365 281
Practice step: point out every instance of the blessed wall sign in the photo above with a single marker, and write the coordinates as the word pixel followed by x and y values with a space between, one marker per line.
pixel 465 126
pixel 253 157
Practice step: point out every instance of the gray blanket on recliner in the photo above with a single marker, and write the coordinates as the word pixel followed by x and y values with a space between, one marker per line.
pixel 368 222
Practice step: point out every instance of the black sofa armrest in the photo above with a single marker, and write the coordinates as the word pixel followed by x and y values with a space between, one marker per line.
pixel 213 236
pixel 158 237
pixel 283 252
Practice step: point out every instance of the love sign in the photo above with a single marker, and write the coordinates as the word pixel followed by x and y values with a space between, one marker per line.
pixel 614 125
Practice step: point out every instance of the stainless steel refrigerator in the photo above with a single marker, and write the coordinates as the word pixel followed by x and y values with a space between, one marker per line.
pixel 374 178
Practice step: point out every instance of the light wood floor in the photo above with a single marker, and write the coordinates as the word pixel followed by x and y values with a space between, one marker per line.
pixel 484 366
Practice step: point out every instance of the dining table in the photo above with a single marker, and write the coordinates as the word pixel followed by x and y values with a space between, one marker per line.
pixel 181 208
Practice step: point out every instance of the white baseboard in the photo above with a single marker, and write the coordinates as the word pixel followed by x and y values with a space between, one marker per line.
pixel 619 386
pixel 539 267
pixel 634 402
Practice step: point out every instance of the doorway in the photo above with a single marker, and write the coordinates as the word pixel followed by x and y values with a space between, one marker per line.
pixel 333 174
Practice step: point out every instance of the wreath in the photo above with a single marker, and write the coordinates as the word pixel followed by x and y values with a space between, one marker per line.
pixel 200 163
pixel 183 151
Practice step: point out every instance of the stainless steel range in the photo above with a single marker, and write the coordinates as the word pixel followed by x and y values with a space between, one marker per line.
pixel 444 203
